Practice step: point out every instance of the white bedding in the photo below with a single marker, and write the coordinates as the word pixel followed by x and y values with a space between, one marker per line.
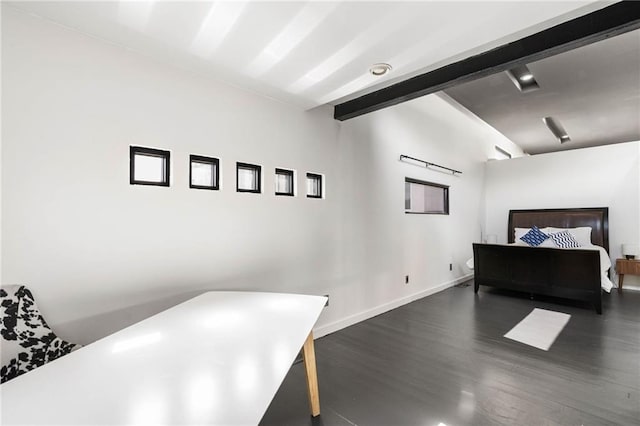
pixel 605 264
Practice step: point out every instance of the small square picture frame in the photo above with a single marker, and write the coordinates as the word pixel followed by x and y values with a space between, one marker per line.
pixel 287 175
pixel 199 163
pixel 139 155
pixel 255 185
pixel 314 185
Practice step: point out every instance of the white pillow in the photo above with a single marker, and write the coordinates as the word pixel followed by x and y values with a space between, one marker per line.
pixel 581 234
pixel 548 243
pixel 519 233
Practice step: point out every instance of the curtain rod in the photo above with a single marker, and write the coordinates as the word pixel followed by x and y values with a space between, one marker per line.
pixel 427 164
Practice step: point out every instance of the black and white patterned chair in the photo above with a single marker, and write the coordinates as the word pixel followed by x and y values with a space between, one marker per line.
pixel 27 340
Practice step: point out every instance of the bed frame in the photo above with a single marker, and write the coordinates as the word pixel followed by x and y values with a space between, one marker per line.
pixel 565 273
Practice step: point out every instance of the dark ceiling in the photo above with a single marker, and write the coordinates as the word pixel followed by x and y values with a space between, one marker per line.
pixel 593 91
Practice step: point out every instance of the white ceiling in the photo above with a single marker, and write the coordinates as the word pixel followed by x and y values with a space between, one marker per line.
pixel 308 53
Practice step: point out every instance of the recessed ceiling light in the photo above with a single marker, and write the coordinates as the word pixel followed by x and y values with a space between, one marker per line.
pixel 556 128
pixel 380 69
pixel 523 78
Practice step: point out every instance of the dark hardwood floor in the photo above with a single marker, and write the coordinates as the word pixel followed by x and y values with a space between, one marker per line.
pixel 443 360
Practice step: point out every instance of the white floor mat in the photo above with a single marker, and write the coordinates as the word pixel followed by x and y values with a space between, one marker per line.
pixel 539 329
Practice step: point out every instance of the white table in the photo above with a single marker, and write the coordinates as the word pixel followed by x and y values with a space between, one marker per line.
pixel 216 359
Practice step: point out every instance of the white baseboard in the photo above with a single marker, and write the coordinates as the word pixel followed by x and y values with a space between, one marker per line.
pixel 323 330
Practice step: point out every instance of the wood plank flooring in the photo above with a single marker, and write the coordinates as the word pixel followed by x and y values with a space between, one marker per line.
pixel 443 360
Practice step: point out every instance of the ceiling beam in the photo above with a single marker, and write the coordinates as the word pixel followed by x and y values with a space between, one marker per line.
pixel 608 22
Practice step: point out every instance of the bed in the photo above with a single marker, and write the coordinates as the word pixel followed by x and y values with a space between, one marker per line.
pixel 575 273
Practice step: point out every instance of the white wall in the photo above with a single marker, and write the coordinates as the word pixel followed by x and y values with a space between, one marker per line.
pixel 380 244
pixel 605 176
pixel 100 254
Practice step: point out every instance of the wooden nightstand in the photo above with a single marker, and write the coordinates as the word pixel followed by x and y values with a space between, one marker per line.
pixel 626 267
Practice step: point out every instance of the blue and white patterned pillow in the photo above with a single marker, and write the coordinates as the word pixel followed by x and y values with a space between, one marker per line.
pixel 534 237
pixel 564 239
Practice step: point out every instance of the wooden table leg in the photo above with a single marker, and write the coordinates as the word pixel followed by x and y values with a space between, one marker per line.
pixel 620 281
pixel 309 356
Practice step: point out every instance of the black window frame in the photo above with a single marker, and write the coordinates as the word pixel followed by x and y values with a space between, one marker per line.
pixel 315 176
pixel 293 181
pixel 205 160
pixel 151 152
pixel 432 184
pixel 255 167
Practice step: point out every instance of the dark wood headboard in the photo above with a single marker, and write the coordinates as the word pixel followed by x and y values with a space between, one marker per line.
pixel 596 217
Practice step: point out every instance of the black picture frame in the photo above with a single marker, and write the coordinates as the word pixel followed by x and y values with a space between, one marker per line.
pixel 289 174
pixel 317 177
pixel 151 152
pixel 257 169
pixel 215 162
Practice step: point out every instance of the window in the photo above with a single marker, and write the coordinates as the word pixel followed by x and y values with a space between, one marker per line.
pixel 284 182
pixel 425 197
pixel 203 172
pixel 248 177
pixel 314 185
pixel 148 166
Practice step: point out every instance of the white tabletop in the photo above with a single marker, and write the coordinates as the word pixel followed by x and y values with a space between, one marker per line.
pixel 216 359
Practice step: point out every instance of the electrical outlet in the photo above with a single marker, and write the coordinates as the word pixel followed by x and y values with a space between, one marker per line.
pixel 327 302
pixel 406 279
pixel 451 266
